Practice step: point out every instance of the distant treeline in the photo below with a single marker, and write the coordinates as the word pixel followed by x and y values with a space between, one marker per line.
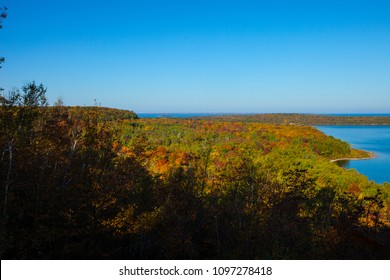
pixel 306 119
pixel 102 113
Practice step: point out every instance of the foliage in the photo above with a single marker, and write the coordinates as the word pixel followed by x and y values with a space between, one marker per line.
pixel 99 183
pixel 101 113
pixel 306 119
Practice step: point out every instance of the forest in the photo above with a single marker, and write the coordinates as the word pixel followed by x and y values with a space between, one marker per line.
pixel 308 119
pixel 101 183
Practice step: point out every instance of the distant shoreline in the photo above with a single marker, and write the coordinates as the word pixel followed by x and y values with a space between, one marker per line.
pixel 372 155
pixel 285 118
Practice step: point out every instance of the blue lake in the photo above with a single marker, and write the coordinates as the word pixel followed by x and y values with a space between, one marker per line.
pixel 374 139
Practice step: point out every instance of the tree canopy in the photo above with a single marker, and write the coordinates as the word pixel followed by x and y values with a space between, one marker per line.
pixel 99 183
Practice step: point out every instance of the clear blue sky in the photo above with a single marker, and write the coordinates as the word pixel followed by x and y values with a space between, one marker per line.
pixel 203 56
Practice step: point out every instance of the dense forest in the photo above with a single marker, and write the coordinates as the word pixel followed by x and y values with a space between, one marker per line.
pixel 307 119
pixel 99 183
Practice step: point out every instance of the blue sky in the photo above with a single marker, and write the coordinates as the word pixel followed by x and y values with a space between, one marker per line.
pixel 203 56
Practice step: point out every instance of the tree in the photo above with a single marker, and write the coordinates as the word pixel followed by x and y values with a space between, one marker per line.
pixel 34 95
pixel 3 15
pixel 59 102
pixel 18 113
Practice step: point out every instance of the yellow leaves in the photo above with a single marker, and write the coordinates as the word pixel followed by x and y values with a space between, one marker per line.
pixel 104 203
pixel 125 151
pixel 181 158
pixel 128 222
pixel 354 189
pixel 215 154
pixel 123 221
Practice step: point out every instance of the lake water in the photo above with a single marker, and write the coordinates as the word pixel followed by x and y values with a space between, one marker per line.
pixel 369 138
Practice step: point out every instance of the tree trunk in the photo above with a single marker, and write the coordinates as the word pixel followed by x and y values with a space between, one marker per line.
pixel 7 182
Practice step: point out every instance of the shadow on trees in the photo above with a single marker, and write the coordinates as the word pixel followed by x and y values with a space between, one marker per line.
pixel 72 194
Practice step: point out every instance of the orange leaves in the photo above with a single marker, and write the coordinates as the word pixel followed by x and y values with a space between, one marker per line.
pixel 354 189
pixel 62 123
pixel 161 163
pixel 125 151
pixel 181 158
pixel 161 166
pixel 161 160
pixel 115 145
pixel 160 151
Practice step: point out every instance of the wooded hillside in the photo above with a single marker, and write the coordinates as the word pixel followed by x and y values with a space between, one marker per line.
pixel 92 183
pixel 306 119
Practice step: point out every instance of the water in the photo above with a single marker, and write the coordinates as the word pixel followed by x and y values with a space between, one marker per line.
pixel 369 138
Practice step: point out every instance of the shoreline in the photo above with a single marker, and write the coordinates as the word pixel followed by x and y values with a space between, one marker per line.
pixel 372 156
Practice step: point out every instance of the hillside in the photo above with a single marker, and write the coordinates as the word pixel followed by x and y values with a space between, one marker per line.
pixel 97 183
pixel 102 113
pixel 306 119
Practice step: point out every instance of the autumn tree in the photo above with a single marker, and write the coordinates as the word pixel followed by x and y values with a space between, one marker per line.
pixel 19 111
